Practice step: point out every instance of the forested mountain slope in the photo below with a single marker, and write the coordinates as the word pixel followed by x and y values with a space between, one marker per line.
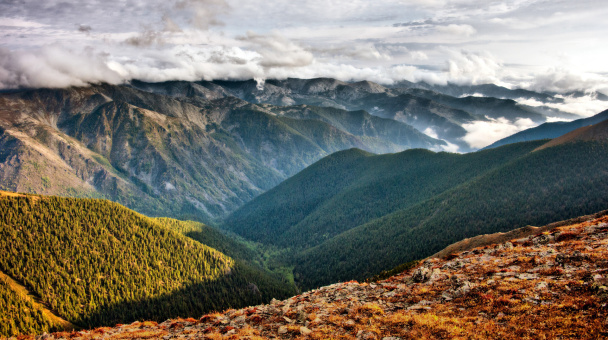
pixel 95 263
pixel 554 183
pixel 345 219
pixel 352 187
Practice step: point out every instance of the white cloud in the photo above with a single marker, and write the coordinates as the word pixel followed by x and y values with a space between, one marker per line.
pixel 277 51
pixel 19 22
pixel 53 67
pixel 467 67
pixel 561 79
pixel 483 133
pixel 448 147
pixel 463 30
pixel 584 106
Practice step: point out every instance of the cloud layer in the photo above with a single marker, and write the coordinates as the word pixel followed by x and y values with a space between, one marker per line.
pixel 545 46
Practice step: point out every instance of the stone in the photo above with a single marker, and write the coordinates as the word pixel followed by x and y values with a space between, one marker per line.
pixel 301 317
pixel 305 331
pixel 282 330
pixel 421 274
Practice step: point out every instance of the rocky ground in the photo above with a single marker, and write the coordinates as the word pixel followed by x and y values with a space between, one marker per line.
pixel 552 285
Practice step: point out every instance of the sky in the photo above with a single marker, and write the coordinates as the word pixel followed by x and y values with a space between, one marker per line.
pixel 543 45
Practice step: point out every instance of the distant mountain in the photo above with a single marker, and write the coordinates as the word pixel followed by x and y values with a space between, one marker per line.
pixel 96 263
pixel 486 90
pixel 200 150
pixel 353 214
pixel 182 150
pixel 550 130
pixel 438 110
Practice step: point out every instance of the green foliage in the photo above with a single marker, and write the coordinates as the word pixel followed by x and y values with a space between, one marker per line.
pixel 18 315
pixel 352 187
pixel 211 237
pixel 95 263
pixel 552 184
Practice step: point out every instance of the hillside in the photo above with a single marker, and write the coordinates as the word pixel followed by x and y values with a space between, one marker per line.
pixel 555 183
pixel 597 132
pixel 179 150
pixel 350 188
pixel 550 130
pixel 550 285
pixel 94 262
pixel 344 218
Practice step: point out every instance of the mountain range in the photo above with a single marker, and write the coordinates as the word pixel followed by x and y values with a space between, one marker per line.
pixel 352 214
pixel 200 150
pixel 302 183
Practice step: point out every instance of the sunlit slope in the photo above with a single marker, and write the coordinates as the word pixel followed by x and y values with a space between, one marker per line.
pixel 95 262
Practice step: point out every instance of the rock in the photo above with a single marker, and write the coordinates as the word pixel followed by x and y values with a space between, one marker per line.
pixel 301 317
pixel 239 319
pixel 421 274
pixel 305 331
pixel 282 330
pixel 541 286
pixel 366 335
pixel 391 338
pixel 543 239
pixel 350 324
pixel 424 274
pixel 527 276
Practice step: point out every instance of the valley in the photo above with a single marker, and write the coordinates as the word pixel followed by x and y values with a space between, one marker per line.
pixel 241 194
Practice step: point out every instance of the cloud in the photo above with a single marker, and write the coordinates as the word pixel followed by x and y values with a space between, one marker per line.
pixel 462 30
pixel 53 67
pixel 146 38
pixel 19 22
pixel 561 79
pixel 584 106
pixel 465 67
pixel 448 147
pixel 483 133
pixel 363 51
pixel 204 13
pixel 277 51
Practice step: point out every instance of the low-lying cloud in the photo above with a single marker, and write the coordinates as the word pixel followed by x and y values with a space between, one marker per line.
pixel 584 106
pixel 483 133
pixel 54 67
